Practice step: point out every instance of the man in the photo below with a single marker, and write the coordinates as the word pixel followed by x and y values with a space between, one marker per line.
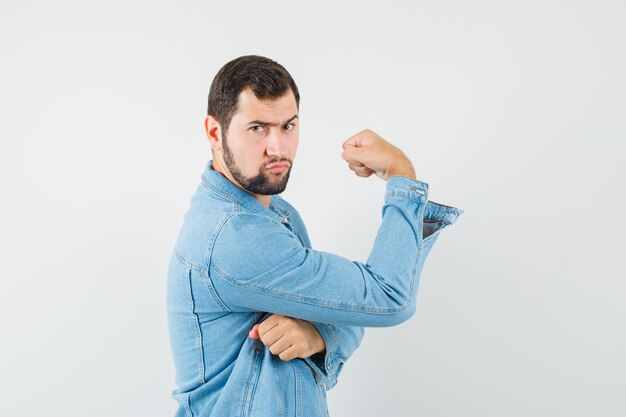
pixel 260 323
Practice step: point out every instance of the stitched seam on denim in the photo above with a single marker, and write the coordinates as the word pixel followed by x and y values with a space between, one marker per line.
pixel 205 274
pixel 216 231
pixel 245 394
pixel 188 406
pixel 448 214
pixel 251 213
pixel 278 386
pixel 420 249
pixel 305 300
pixel 298 389
pixel 414 277
pixel 207 260
pixel 188 263
pixel 218 300
pixel 335 346
pixel 258 361
pixel 199 344
pixel 407 189
pixel 213 188
pixel 209 254
pixel 439 204
pixel 404 196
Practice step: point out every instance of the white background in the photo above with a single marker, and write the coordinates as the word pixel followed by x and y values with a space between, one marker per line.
pixel 512 111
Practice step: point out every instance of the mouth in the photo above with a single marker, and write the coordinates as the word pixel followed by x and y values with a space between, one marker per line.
pixel 278 168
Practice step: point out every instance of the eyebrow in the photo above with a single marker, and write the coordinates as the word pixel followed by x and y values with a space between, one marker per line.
pixel 260 122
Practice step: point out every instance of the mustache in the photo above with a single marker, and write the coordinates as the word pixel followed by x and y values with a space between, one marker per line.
pixel 275 161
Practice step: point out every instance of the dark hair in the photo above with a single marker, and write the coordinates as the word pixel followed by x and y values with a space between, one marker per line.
pixel 267 79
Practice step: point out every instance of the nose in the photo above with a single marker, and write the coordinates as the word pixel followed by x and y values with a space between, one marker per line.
pixel 276 147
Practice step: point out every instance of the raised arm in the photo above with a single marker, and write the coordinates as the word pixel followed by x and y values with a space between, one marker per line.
pixel 256 264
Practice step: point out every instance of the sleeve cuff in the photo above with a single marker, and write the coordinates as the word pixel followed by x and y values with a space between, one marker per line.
pixel 406 187
pixel 326 366
pixel 446 214
pixel 436 216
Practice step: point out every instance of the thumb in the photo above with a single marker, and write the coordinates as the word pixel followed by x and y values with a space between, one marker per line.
pixel 352 153
pixel 354 146
pixel 254 333
pixel 359 140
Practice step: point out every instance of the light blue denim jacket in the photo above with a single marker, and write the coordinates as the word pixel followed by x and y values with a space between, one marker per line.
pixel 236 262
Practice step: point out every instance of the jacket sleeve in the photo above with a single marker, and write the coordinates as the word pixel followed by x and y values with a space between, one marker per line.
pixel 341 341
pixel 256 264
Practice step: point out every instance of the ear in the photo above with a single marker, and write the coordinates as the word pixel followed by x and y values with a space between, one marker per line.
pixel 213 132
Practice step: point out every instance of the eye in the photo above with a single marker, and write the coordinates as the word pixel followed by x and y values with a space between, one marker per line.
pixel 290 124
pixel 254 127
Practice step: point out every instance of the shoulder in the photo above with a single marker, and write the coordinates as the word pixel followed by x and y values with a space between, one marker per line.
pixel 204 216
pixel 239 227
pixel 246 243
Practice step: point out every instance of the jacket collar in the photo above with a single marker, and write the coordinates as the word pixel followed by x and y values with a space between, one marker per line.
pixel 217 182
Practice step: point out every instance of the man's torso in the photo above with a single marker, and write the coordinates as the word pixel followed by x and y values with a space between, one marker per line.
pixel 220 371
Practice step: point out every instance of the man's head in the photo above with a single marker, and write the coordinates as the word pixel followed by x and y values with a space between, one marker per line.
pixel 252 123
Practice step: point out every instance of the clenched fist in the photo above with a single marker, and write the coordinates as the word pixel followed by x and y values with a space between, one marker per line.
pixel 288 337
pixel 367 154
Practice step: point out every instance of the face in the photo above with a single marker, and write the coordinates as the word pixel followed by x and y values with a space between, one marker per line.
pixel 259 148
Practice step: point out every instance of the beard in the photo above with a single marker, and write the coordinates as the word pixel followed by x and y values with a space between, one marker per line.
pixel 264 183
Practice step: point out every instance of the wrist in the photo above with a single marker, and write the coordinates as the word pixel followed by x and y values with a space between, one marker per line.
pixel 406 171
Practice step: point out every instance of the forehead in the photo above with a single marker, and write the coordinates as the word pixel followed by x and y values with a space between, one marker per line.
pixel 275 111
